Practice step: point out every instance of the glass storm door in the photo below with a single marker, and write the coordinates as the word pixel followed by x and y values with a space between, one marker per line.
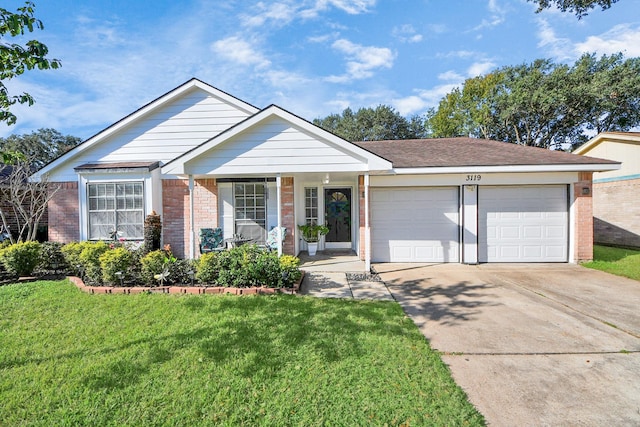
pixel 337 216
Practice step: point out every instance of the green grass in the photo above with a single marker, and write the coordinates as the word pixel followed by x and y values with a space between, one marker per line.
pixel 69 358
pixel 622 262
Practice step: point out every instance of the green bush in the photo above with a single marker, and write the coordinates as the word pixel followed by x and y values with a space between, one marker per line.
pixel 90 260
pixel 52 259
pixel 181 272
pixel 290 268
pixel 113 261
pixel 151 264
pixel 71 252
pixel 21 258
pixel 207 268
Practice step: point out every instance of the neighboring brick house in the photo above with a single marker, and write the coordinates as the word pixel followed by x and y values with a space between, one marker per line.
pixel 616 200
pixel 202 158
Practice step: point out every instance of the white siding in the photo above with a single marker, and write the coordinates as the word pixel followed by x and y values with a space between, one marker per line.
pixel 626 152
pixel 271 147
pixel 163 135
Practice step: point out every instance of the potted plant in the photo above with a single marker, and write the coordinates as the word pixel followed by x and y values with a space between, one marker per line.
pixel 311 234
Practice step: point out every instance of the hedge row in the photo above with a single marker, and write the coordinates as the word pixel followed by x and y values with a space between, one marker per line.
pixel 115 264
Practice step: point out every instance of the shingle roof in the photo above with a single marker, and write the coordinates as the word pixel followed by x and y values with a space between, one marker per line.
pixel 149 166
pixel 443 152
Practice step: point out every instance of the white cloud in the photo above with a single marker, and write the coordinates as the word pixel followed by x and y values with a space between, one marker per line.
pixel 496 17
pixel 480 68
pixel 281 13
pixel 558 47
pixel 451 76
pixel 239 51
pixel 361 60
pixel 406 34
pixel 621 38
pixel 352 7
pixel 409 105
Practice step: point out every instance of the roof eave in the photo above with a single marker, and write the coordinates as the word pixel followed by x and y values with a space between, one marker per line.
pixel 432 170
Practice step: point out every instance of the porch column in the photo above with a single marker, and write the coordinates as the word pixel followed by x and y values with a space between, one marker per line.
pixel 279 203
pixel 367 228
pixel 192 233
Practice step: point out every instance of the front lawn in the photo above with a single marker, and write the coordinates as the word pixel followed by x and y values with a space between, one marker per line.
pixel 622 262
pixel 69 358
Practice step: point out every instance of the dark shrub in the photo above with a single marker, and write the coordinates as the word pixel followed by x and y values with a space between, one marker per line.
pixel 152 232
pixel 52 260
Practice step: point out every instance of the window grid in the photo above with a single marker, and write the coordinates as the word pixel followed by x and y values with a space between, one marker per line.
pixel 311 205
pixel 250 211
pixel 116 206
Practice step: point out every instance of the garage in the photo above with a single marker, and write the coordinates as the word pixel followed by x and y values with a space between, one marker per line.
pixel 415 224
pixel 523 223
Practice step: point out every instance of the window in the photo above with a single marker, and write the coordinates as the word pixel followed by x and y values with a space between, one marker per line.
pixel 116 206
pixel 250 210
pixel 311 205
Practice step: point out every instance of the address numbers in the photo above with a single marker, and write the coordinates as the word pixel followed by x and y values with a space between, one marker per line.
pixel 473 178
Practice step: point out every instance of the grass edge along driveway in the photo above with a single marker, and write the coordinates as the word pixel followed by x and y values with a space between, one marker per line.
pixel 69 358
pixel 618 261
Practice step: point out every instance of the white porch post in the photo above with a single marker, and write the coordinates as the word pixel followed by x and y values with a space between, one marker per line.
pixel 367 228
pixel 192 222
pixel 279 203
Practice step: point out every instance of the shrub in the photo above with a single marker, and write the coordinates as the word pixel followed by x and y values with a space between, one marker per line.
pixel 151 264
pixel 207 268
pixel 21 258
pixel 90 259
pixel 71 252
pixel 264 270
pixel 52 259
pixel 181 272
pixel 289 266
pixel 152 232
pixel 234 266
pixel 114 261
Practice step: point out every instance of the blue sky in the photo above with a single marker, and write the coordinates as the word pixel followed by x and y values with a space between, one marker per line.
pixel 312 57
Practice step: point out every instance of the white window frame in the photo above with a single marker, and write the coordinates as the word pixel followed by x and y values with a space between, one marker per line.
pixel 309 199
pixel 116 199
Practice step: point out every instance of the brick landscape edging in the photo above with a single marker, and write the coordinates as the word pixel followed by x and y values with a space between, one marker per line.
pixel 193 290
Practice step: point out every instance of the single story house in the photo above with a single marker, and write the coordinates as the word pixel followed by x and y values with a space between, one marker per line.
pixel 616 205
pixel 203 158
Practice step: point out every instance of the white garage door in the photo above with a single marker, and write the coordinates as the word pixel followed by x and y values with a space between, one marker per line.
pixel 523 224
pixel 414 224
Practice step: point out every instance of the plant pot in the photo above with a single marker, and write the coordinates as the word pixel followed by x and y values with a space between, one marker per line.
pixel 312 247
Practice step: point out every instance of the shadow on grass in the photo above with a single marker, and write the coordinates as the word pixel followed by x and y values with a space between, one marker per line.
pixel 248 334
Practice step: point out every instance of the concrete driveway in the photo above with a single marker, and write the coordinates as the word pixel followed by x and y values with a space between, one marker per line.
pixel 545 344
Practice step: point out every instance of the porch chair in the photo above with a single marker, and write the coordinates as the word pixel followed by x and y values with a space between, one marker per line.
pixel 271 243
pixel 211 240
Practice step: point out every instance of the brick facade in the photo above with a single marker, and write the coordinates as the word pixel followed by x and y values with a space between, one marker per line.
pixel 175 215
pixel 288 218
pixel 616 212
pixel 64 213
pixel 583 209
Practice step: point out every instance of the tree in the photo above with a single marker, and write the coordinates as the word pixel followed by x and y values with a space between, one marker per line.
pixel 41 146
pixel 545 104
pixel 579 7
pixel 374 124
pixel 23 198
pixel 16 58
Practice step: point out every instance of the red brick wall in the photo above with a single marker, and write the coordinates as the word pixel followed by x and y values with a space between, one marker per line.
pixel 616 212
pixel 288 218
pixel 175 215
pixel 205 207
pixel 64 213
pixel 583 209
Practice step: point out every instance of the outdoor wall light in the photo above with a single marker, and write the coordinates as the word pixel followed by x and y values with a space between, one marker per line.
pixel 326 179
pixel 585 191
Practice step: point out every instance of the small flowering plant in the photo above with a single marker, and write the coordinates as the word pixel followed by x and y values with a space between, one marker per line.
pixel 167 262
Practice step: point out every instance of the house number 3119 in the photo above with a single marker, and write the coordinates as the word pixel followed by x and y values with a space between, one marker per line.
pixel 473 178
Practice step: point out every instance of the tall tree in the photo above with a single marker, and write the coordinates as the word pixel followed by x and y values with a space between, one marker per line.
pixel 16 58
pixel 545 104
pixel 374 124
pixel 579 7
pixel 40 146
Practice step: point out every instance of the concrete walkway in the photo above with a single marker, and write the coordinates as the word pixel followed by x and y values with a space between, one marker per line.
pixel 339 274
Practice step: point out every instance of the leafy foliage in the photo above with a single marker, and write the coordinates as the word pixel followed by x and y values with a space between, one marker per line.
pixel 51 258
pixel 15 58
pixel 374 124
pixel 544 104
pixel 290 268
pixel 207 268
pixel 40 147
pixel 152 264
pixel 21 258
pixel 578 7
pixel 114 261
pixel 152 232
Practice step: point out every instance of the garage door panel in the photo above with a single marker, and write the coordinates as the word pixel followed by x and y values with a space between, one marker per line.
pixel 415 224
pixel 523 224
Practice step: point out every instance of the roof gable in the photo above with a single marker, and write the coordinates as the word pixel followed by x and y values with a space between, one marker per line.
pixel 157 113
pixel 621 137
pixel 274 141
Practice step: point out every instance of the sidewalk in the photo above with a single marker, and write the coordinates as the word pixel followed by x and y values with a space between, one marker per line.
pixel 340 274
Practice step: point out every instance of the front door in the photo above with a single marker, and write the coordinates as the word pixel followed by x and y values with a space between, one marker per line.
pixel 337 216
